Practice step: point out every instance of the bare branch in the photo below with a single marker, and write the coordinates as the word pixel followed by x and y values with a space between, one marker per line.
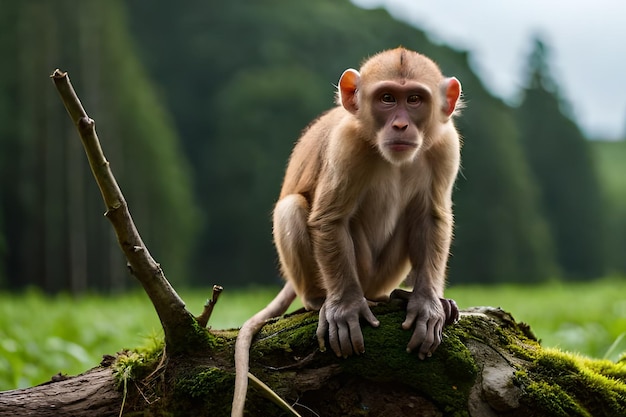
pixel 175 319
pixel 203 318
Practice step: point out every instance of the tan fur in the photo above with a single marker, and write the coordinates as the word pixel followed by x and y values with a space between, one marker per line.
pixel 366 201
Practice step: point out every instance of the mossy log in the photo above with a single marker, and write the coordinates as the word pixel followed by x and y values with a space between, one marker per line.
pixel 487 365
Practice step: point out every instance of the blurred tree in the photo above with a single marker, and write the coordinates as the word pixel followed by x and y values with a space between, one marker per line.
pixel 610 157
pixel 55 233
pixel 500 234
pixel 270 110
pixel 3 250
pixel 561 161
pixel 6 126
pixel 244 77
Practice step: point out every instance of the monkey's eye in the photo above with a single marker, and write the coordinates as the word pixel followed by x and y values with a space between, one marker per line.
pixel 414 99
pixel 388 98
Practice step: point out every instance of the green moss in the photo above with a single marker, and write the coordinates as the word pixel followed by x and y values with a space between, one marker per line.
pixel 551 400
pixel 615 370
pixel 288 335
pixel 554 383
pixel 205 382
pixel 554 364
pixel 564 384
pixel 136 364
pixel 445 378
pixel 209 391
pixel 200 339
pixel 498 328
pixel 204 390
pixel 523 352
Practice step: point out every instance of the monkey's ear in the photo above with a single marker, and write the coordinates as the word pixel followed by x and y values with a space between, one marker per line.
pixel 347 89
pixel 451 89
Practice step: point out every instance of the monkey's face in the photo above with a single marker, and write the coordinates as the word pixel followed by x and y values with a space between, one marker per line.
pixel 400 111
pixel 400 101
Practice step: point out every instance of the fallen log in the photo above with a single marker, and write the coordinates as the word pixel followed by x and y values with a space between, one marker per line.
pixel 488 365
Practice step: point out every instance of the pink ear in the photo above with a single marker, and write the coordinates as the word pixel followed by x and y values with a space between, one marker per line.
pixel 347 89
pixel 452 91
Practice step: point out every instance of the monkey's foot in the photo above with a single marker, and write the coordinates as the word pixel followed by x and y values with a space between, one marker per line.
pixel 449 305
pixel 451 309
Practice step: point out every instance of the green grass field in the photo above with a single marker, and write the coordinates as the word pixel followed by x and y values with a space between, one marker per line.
pixel 41 336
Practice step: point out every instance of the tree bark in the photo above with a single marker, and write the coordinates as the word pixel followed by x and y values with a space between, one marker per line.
pixel 90 394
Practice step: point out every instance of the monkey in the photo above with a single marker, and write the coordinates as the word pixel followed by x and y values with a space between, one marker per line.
pixel 366 204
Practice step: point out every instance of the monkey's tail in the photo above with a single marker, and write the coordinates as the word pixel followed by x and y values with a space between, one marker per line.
pixel 251 327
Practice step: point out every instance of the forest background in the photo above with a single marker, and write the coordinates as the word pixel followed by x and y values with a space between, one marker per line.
pixel 198 104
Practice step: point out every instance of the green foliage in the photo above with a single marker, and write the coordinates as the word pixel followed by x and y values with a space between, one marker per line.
pixel 41 336
pixel 562 163
pixel 237 82
pixel 56 236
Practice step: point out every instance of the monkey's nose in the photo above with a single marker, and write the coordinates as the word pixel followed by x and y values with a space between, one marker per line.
pixel 400 125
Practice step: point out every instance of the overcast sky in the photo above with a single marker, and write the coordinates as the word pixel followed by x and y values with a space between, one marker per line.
pixel 587 40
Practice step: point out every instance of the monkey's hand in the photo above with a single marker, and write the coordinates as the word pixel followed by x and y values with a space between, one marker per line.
pixel 428 316
pixel 340 320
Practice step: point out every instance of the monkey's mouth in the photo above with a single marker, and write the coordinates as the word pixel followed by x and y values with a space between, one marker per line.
pixel 401 145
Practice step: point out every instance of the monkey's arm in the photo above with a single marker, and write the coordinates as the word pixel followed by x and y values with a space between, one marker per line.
pixel 345 303
pixel 429 246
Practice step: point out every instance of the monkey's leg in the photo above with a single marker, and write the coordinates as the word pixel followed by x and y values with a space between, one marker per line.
pixel 295 249
pixel 380 269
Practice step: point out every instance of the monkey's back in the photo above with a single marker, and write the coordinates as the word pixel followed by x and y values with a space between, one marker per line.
pixel 305 163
